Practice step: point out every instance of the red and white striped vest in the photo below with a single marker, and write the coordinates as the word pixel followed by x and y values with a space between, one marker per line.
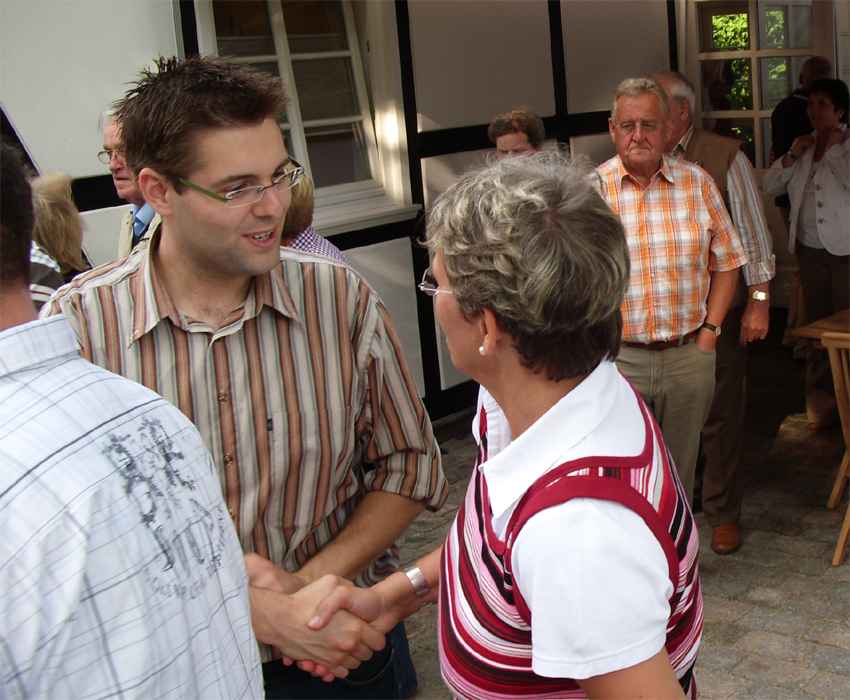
pixel 484 623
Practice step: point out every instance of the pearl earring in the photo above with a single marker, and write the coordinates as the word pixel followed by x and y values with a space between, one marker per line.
pixel 481 350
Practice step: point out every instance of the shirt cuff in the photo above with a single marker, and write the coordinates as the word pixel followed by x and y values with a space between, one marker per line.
pixel 759 272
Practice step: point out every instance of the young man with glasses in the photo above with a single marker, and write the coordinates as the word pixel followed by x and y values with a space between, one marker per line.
pixel 287 362
pixel 685 256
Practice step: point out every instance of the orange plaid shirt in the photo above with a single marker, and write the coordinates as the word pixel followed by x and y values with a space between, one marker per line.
pixel 677 230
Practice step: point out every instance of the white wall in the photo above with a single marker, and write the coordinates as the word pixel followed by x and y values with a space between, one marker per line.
pixel 62 62
pixel 473 59
pixel 607 41
pixel 388 267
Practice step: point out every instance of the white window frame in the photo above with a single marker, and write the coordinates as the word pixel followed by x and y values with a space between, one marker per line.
pixel 386 198
pixel 822 33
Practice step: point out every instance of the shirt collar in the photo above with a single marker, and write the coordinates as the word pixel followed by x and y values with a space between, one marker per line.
pixel 680 148
pixel 511 472
pixel 664 171
pixel 35 343
pixel 152 303
pixel 144 213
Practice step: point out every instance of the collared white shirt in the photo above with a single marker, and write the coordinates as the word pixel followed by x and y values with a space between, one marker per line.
pixel 583 625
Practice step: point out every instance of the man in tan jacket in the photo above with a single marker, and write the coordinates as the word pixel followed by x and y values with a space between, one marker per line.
pixel 747 318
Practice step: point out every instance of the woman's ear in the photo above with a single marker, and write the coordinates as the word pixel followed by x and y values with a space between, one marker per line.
pixel 155 189
pixel 491 330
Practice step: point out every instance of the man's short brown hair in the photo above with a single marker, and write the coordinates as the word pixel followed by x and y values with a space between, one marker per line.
pixel 162 116
pixel 519 120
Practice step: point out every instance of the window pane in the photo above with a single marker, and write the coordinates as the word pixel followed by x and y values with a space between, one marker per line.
pixel 726 84
pixel 337 154
pixel 741 129
pixel 723 26
pixel 242 28
pixel 314 26
pixel 779 77
pixel 800 22
pixel 784 25
pixel 325 88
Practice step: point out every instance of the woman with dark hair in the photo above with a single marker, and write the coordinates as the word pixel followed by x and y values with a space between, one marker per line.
pixel 571 568
pixel 815 173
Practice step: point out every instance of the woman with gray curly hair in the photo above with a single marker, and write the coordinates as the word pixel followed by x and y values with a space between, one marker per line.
pixel 571 568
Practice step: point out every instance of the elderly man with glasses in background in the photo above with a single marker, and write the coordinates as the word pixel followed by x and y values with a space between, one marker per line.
pixel 141 220
pixel 287 362
pixel 684 255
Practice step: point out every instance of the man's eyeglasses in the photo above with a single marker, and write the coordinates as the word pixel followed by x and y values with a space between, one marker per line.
pixel 429 285
pixel 105 157
pixel 629 128
pixel 250 195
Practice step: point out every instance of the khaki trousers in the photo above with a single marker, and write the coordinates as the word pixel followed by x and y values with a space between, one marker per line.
pixel 677 386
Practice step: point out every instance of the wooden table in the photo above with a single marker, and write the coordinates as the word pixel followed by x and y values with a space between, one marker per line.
pixel 837 323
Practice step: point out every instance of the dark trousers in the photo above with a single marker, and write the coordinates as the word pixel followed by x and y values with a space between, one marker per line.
pixel 723 432
pixel 826 290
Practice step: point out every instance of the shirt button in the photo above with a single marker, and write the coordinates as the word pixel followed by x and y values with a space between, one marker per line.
pixel 817 187
pixel 222 397
pixel 228 460
pixel 821 220
pixel 820 204
pixel 232 514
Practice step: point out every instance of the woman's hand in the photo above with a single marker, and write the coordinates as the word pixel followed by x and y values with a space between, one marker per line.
pixel 802 144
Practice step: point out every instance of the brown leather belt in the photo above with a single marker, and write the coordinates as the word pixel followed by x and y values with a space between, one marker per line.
pixel 664 344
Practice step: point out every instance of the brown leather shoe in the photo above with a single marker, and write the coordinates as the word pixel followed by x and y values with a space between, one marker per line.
pixel 726 539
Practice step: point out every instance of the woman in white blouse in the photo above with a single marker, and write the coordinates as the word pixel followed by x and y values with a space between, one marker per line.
pixel 816 175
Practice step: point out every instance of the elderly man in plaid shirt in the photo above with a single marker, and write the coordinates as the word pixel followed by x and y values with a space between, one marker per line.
pixel 685 256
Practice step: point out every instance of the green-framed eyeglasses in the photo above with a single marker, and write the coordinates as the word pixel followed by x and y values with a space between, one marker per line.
pixel 250 195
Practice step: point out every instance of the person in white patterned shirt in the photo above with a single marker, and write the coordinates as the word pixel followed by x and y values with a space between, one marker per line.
pixel 120 573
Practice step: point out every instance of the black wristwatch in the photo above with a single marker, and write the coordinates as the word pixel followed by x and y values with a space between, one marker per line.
pixel 714 329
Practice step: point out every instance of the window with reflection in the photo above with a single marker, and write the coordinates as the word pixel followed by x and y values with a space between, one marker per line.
pixel 724 26
pixel 785 25
pixel 750 56
pixel 309 44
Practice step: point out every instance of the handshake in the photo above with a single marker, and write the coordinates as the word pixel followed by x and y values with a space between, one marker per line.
pixel 328 626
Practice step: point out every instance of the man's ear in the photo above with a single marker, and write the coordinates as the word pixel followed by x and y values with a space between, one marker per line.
pixel 668 130
pixel 155 188
pixel 611 129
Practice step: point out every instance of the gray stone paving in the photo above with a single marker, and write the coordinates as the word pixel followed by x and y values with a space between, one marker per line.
pixel 777 614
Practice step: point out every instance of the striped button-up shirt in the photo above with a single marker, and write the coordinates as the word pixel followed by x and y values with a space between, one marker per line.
pixel 747 211
pixel 677 231
pixel 303 396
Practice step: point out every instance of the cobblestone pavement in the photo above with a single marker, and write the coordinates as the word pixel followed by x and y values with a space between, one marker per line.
pixel 777 614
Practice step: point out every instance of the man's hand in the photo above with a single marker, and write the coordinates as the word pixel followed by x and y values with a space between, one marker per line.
pixel 755 321
pixel 264 574
pixel 706 339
